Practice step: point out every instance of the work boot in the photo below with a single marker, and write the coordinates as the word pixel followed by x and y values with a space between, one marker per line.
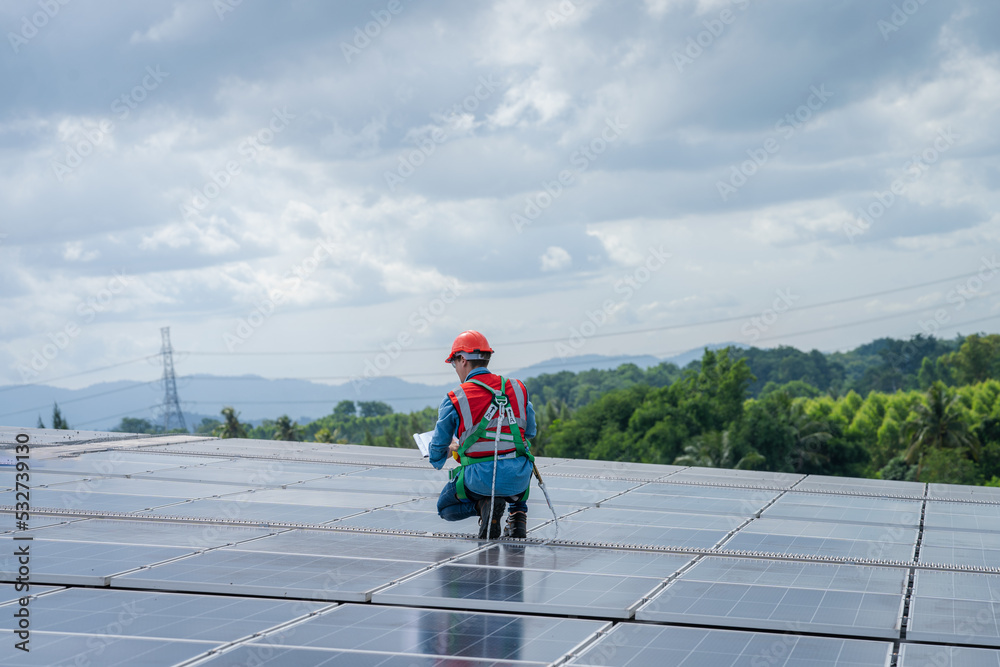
pixel 485 524
pixel 517 525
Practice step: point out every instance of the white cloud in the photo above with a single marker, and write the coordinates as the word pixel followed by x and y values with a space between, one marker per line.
pixel 555 259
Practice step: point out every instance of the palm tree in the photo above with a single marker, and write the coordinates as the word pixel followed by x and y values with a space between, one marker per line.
pixel 231 427
pixel 712 450
pixel 809 437
pixel 938 424
pixel 325 435
pixel 287 429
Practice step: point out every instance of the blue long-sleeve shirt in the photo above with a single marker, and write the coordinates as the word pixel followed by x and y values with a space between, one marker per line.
pixel 513 475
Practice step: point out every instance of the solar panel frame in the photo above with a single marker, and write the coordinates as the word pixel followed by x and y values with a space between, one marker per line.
pixel 360 545
pixel 55 562
pixel 632 645
pixel 786 609
pixel 925 655
pixel 237 572
pixel 498 589
pixel 450 634
pixel 164 615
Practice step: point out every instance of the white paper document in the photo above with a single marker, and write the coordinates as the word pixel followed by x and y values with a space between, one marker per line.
pixel 423 441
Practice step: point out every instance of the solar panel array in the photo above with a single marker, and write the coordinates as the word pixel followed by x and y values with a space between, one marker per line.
pixel 184 550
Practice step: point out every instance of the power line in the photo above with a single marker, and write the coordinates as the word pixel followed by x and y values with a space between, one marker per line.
pixel 735 318
pixel 130 387
pixel 73 375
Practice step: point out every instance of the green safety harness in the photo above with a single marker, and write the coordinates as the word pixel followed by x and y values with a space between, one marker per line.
pixel 499 404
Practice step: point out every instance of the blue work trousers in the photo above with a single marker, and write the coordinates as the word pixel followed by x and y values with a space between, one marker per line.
pixel 451 508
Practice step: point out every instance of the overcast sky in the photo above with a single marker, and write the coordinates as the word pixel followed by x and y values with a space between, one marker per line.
pixel 338 176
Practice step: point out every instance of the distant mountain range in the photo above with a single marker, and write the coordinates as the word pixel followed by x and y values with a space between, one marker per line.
pixel 102 406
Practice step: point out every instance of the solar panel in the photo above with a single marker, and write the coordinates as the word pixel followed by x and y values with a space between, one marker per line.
pixel 152 488
pixel 707 491
pixel 922 655
pixel 162 615
pixel 520 590
pixel 847 531
pixel 245 477
pixel 295 496
pixel 468 601
pixel 152 533
pixel 747 477
pixel 398 486
pixel 425 522
pixel 935 537
pixel 860 485
pixel 843 514
pixel 272 575
pixel 82 563
pixel 94 465
pixel 815 546
pixel 8 593
pixel 955 607
pixel 787 596
pixel 776 608
pixel 613 468
pixel 798 574
pixel 964 492
pixel 359 545
pixel 86 499
pixel 428 474
pixel 448 634
pixel 859 502
pixel 652 501
pixel 576 559
pixel 954 621
pixel 961 585
pixel 960 556
pixel 242 510
pixel 633 645
pixel 621 533
pixel 725 522
pixel 111 651
pixel 261 654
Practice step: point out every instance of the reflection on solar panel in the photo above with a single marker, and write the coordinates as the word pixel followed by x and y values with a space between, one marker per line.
pixel 184 549
pixel 918 655
pixel 786 596
pixel 631 645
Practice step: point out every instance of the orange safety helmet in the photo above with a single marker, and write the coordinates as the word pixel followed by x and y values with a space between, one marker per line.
pixel 472 344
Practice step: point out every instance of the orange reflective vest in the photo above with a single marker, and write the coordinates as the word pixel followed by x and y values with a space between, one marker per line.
pixel 484 404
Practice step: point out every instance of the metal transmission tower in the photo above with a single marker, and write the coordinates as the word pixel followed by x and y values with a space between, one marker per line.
pixel 172 414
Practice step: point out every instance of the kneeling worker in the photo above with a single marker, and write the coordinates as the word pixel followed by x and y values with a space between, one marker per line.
pixel 473 413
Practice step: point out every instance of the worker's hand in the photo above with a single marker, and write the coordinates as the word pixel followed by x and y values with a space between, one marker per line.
pixel 453 447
